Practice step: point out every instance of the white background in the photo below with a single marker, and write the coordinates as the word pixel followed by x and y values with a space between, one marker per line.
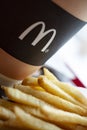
pixel 74 53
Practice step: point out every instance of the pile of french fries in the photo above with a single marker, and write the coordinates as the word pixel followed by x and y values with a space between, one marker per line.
pixel 43 103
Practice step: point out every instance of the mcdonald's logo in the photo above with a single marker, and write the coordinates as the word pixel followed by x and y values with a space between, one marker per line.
pixel 41 34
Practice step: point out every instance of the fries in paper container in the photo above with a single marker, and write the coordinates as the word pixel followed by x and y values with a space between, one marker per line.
pixel 43 103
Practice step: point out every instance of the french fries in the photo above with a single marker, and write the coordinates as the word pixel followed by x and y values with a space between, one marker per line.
pixel 72 91
pixel 32 122
pixel 50 87
pixel 21 97
pixel 33 82
pixel 43 103
pixel 53 100
pixel 56 115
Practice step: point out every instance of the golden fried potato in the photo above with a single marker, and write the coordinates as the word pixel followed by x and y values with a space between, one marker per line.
pixel 6 114
pixel 53 100
pixel 43 103
pixel 22 98
pixel 32 122
pixel 60 116
pixel 31 81
pixel 71 90
pixel 54 89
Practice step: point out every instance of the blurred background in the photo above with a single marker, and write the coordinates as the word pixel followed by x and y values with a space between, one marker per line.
pixel 70 62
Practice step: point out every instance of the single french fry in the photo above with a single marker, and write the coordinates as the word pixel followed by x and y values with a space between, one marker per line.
pixel 34 123
pixel 50 75
pixel 53 100
pixel 31 81
pixel 39 88
pixel 71 90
